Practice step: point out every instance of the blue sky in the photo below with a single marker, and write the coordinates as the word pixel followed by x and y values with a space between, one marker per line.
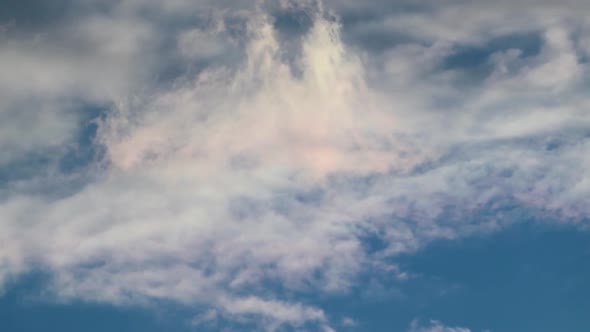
pixel 294 166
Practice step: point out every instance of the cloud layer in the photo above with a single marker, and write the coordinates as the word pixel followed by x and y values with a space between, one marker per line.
pixel 244 161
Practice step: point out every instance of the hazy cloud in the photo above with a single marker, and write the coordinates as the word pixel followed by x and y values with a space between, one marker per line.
pixel 225 176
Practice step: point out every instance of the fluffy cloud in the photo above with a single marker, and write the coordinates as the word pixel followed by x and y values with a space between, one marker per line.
pixel 266 169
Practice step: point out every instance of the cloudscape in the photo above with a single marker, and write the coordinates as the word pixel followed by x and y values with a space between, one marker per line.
pixel 294 165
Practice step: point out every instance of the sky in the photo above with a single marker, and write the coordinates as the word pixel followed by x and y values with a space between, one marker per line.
pixel 334 165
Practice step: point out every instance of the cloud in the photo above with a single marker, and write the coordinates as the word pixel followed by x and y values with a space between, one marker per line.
pixel 53 66
pixel 435 326
pixel 235 176
pixel 230 229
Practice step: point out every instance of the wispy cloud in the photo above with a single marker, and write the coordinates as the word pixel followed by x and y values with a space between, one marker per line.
pixel 269 168
pixel 435 326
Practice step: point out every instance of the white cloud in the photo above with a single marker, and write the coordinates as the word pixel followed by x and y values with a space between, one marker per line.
pixel 282 312
pixel 435 326
pixel 270 171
